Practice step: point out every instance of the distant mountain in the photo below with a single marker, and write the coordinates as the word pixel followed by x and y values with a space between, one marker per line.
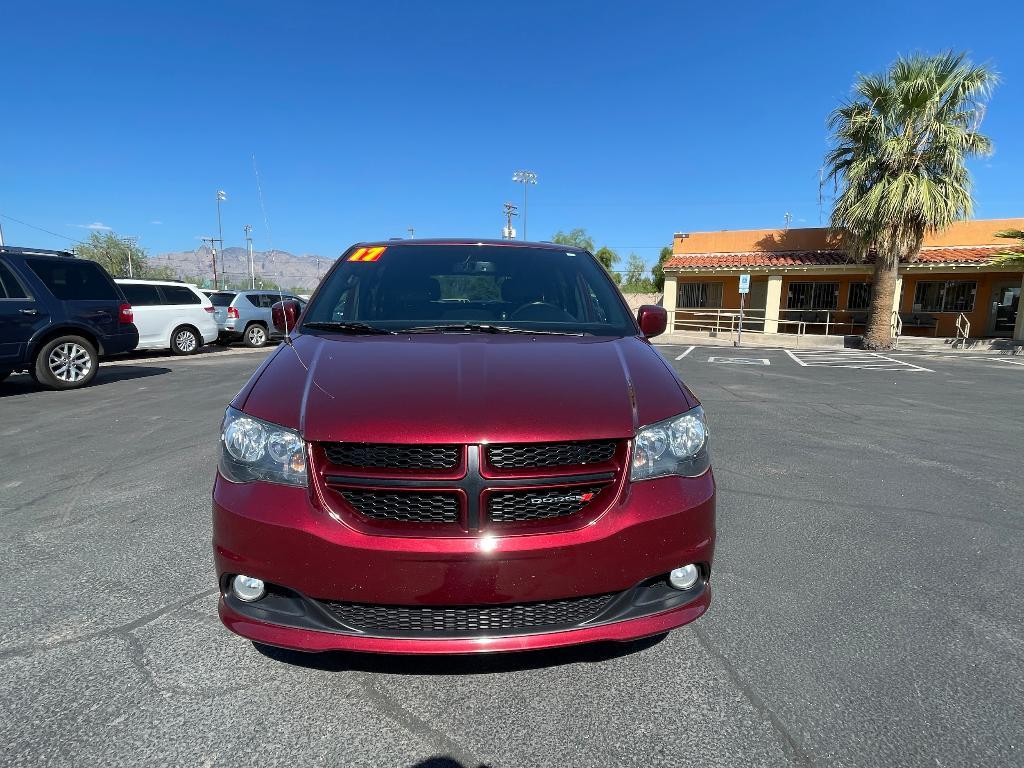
pixel 286 269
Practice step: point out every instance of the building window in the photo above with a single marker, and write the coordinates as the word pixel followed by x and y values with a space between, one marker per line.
pixel 860 296
pixel 813 296
pixel 699 295
pixel 945 296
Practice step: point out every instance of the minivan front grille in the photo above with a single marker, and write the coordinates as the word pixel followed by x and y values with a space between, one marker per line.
pixel 392 456
pixel 531 455
pixel 404 506
pixel 541 504
pixel 475 620
pixel 462 490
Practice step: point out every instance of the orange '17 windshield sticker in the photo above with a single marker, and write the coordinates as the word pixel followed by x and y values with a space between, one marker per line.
pixel 367 254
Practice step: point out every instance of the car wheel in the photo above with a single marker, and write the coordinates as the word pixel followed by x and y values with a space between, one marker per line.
pixel 255 335
pixel 185 340
pixel 67 362
pixel 4 375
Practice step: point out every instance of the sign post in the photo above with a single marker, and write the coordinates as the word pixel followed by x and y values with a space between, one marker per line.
pixel 744 290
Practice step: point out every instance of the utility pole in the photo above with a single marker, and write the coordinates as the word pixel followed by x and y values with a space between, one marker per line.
pixel 221 195
pixel 1 234
pixel 248 247
pixel 213 249
pixel 318 270
pixel 526 178
pixel 821 183
pixel 508 233
pixel 128 243
pixel 410 230
pixel 789 218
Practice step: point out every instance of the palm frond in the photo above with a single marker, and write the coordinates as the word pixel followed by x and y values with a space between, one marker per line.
pixel 899 150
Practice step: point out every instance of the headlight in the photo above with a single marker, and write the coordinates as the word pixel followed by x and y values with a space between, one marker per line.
pixel 258 450
pixel 676 446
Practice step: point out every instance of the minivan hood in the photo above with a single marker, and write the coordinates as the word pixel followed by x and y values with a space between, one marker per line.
pixel 464 388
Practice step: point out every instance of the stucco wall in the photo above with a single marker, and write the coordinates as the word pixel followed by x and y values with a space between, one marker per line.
pixel 636 300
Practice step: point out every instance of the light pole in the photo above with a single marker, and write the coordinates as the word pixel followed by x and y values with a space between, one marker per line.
pixel 221 195
pixel 526 178
pixel 128 243
pixel 248 247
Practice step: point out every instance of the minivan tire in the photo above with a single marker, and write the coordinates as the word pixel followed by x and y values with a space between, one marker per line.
pixel 255 335
pixel 66 362
pixel 185 340
pixel 4 375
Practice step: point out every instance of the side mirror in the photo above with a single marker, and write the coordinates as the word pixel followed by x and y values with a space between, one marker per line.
pixel 653 320
pixel 285 315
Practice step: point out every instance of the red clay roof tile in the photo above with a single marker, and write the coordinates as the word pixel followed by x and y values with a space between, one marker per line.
pixel 974 254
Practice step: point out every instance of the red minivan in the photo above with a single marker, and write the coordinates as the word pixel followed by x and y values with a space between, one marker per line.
pixel 463 446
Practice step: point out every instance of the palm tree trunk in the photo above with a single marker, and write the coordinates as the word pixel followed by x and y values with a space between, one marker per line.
pixel 878 334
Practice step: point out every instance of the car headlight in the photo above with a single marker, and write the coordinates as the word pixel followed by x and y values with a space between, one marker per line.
pixel 676 446
pixel 253 449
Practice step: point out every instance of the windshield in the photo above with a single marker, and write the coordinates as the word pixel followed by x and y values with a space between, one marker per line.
pixel 528 288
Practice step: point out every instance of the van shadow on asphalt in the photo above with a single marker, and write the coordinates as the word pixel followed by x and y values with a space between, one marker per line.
pixel 466 664
pixel 22 384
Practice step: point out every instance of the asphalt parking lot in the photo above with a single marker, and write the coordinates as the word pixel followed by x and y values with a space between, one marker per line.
pixel 868 610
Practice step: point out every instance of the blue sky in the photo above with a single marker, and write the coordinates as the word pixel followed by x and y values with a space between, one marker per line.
pixel 640 119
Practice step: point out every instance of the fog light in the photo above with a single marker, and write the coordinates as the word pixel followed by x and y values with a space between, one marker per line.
pixel 685 577
pixel 250 590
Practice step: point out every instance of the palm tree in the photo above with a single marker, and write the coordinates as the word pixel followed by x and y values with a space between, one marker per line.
pixel 898 158
pixel 1015 256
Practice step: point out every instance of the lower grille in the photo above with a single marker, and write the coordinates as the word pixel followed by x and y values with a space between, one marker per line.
pixel 407 507
pixel 455 620
pixel 542 504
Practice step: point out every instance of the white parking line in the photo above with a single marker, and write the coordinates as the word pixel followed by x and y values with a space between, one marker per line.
pixel 870 361
pixel 798 360
pixel 688 351
pixel 740 360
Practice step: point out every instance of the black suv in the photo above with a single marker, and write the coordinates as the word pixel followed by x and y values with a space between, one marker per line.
pixel 58 314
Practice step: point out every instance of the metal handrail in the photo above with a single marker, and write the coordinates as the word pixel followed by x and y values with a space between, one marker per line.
pixel 963 329
pixel 726 320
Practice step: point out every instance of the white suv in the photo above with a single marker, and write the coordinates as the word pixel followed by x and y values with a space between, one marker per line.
pixel 170 315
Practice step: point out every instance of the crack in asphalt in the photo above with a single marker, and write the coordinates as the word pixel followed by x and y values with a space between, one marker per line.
pixel 122 630
pixel 415 723
pixel 137 658
pixel 136 654
pixel 789 743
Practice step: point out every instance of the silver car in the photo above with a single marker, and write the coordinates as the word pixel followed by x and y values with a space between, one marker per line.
pixel 245 315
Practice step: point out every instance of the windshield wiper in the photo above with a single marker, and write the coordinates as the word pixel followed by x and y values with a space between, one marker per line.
pixel 483 328
pixel 340 327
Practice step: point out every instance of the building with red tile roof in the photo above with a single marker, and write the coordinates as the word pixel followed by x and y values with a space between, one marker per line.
pixel 804 281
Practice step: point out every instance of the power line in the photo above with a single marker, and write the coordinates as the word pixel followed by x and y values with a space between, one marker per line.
pixel 40 229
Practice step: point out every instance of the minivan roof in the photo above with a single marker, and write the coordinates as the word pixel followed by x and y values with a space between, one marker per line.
pixel 466 241
pixel 141 281
pixel 17 251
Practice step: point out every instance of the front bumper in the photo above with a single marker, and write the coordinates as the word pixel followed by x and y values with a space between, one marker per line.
pixel 285 537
